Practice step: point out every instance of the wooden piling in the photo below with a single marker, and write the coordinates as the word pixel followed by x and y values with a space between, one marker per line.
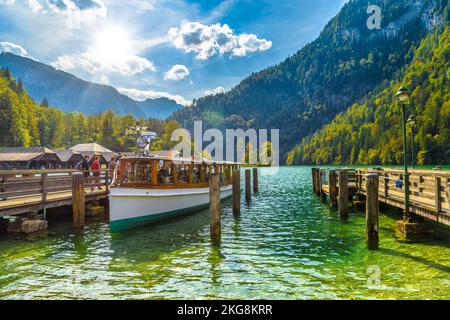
pixel 372 209
pixel 313 175
pixel 78 200
pixel 214 207
pixel 343 194
pixel 322 194
pixel 332 178
pixel 248 194
pixel 236 192
pixel 255 180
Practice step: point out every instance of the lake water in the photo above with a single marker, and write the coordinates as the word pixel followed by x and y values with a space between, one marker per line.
pixel 286 245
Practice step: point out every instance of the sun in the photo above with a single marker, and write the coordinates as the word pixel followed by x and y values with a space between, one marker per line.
pixel 112 46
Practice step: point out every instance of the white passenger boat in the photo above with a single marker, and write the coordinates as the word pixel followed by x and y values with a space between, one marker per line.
pixel 150 189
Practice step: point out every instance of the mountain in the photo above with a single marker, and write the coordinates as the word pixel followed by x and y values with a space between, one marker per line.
pixel 25 123
pixel 344 64
pixel 70 93
pixel 160 108
pixel 371 132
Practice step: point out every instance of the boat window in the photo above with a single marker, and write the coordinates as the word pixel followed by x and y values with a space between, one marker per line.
pixel 165 174
pixel 138 172
pixel 183 172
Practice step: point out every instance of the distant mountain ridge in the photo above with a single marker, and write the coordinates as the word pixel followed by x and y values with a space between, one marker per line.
pixel 69 93
pixel 342 66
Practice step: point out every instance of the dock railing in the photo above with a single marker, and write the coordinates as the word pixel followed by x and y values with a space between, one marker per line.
pixel 26 183
pixel 429 190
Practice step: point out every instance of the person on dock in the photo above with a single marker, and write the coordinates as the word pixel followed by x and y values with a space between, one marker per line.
pixel 85 166
pixel 95 167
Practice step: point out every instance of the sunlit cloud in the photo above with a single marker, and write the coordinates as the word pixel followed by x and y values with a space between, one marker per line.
pixel 142 95
pixel 176 73
pixel 214 91
pixel 207 41
pixel 13 48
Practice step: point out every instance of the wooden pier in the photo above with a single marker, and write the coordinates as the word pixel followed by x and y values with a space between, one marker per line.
pixel 429 190
pixel 36 190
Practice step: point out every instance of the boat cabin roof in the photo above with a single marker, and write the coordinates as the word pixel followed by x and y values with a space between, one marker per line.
pixel 178 160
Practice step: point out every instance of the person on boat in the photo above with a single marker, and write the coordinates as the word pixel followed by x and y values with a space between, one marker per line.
pixel 163 174
pixel 95 167
pixel 181 169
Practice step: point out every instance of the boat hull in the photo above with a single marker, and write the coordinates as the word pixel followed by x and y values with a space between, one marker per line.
pixel 131 207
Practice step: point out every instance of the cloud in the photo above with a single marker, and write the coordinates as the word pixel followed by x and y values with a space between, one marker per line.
pixel 7 2
pixel 141 95
pixel 214 91
pixel 207 41
pixel 176 73
pixel 104 80
pixel 13 48
pixel 91 63
pixel 35 6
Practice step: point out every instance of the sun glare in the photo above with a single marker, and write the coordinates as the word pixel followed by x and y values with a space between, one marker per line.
pixel 112 46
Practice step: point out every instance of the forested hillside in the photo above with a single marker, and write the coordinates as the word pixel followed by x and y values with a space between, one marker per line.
pixel 25 123
pixel 370 132
pixel 69 93
pixel 344 64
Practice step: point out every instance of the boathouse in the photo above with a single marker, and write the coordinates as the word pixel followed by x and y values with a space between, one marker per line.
pixel 94 149
pixel 69 158
pixel 20 158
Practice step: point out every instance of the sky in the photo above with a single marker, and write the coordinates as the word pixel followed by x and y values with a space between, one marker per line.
pixel 180 49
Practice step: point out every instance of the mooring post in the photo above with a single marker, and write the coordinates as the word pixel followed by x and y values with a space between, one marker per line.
pixel 214 207
pixel 236 192
pixel 78 200
pixel 372 209
pixel 255 180
pixel 322 194
pixel 343 194
pixel 333 188
pixel 248 194
pixel 313 175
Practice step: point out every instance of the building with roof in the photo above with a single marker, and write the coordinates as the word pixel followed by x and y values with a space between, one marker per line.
pixel 69 158
pixel 94 149
pixel 20 158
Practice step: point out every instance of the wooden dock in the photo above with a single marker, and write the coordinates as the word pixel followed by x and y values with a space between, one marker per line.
pixel 35 190
pixel 429 189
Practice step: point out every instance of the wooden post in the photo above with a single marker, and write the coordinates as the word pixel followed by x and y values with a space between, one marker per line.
pixel 255 180
pixel 386 186
pixel 332 178
pixel 236 192
pixel 322 194
pixel 78 200
pixel 438 197
pixel 106 180
pixel 214 207
pixel 44 193
pixel 248 194
pixel 313 175
pixel 372 209
pixel 343 194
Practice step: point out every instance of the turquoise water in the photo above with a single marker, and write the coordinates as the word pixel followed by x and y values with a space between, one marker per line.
pixel 286 245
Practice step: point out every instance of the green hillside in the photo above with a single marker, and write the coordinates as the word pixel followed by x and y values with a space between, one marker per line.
pixel 344 64
pixel 24 123
pixel 370 132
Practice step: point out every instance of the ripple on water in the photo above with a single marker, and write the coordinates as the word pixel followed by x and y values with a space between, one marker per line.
pixel 286 245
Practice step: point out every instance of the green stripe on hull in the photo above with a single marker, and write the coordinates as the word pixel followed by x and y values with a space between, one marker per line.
pixel 120 225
